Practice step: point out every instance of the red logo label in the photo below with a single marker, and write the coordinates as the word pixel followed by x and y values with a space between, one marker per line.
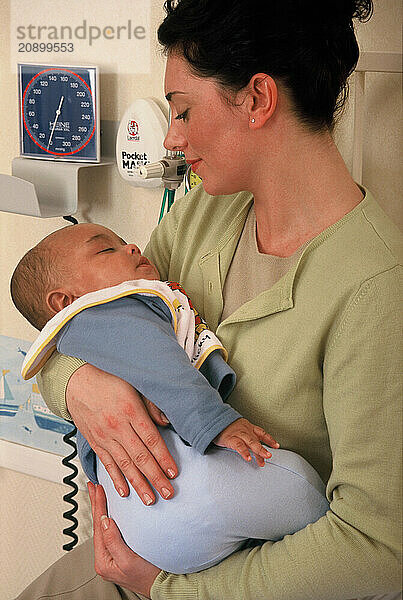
pixel 132 127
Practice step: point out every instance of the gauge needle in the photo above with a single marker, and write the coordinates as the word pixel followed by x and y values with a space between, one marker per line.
pixel 55 121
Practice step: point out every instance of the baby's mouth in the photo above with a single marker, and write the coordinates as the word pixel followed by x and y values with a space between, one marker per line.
pixel 143 261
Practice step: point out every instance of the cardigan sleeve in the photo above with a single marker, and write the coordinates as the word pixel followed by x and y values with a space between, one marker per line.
pixel 53 379
pixel 355 549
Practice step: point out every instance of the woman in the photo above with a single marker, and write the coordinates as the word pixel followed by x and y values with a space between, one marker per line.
pixel 298 275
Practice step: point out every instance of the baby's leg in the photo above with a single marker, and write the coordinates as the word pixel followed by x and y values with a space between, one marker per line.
pixel 220 501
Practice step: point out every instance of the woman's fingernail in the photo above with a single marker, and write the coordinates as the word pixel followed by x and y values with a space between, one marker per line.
pixel 121 492
pixel 147 499
pixel 164 419
pixel 171 473
pixel 104 521
pixel 166 492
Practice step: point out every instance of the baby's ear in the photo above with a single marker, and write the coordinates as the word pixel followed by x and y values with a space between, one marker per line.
pixel 56 300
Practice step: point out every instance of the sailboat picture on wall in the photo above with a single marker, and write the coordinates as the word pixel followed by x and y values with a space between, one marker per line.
pixel 8 408
pixel 24 417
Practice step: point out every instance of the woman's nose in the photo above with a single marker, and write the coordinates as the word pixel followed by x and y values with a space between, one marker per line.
pixel 174 140
pixel 132 249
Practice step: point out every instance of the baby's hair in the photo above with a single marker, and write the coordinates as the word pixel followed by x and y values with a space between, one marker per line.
pixel 38 271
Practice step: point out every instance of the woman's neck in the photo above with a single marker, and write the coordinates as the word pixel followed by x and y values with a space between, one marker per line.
pixel 300 189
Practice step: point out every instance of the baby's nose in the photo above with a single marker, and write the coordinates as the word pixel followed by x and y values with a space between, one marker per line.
pixel 132 249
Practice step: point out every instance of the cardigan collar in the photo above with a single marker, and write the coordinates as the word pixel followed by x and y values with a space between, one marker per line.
pixel 215 264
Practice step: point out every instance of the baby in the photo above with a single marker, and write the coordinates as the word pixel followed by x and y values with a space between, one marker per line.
pixel 97 298
pixel 74 261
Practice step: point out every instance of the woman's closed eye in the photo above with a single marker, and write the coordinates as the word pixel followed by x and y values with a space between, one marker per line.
pixel 106 250
pixel 182 116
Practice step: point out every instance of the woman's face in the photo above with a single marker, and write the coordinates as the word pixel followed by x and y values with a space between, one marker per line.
pixel 207 128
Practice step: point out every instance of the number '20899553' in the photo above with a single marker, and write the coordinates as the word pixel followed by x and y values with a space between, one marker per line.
pixel 46 47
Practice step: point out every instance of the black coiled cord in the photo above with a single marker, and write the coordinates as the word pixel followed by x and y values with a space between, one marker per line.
pixel 69 479
pixel 69 498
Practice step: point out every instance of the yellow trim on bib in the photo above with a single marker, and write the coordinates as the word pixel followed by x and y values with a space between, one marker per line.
pixel 41 363
pixel 207 353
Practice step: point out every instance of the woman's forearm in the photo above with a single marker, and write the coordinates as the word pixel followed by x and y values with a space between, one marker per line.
pixel 325 560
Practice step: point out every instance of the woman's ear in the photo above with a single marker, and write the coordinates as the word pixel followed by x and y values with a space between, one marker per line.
pixel 56 300
pixel 262 99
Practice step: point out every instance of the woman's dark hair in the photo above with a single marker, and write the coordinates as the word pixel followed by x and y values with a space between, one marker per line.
pixel 309 46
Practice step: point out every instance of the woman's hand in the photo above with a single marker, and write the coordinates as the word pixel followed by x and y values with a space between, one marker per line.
pixel 114 561
pixel 112 417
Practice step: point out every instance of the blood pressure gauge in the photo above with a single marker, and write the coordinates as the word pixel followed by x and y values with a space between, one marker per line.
pixel 59 117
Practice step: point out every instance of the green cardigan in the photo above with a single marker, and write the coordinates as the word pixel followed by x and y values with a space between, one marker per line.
pixel 318 363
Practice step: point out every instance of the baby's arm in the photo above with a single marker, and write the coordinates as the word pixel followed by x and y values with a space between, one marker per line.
pixel 242 436
pixel 129 339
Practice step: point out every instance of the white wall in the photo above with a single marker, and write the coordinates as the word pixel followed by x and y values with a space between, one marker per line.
pixel 382 149
pixel 30 521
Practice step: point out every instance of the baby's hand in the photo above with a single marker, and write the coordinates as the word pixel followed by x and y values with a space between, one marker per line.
pixel 242 436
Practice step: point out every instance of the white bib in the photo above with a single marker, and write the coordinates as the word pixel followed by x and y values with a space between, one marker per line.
pixel 190 329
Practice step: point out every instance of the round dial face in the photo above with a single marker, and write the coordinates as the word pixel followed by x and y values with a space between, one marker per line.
pixel 58 112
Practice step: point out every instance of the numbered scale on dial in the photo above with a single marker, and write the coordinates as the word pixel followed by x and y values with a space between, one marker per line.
pixel 59 112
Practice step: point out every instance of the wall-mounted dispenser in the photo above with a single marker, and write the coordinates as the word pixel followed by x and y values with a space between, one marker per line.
pixel 140 141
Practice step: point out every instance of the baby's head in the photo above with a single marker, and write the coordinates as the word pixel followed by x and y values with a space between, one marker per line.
pixel 69 263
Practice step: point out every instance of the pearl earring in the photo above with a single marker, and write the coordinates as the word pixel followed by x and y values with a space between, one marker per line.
pixel 252 120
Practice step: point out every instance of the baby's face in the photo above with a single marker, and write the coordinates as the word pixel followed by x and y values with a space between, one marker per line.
pixel 98 258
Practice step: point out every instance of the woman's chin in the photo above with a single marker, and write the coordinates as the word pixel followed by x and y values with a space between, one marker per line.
pixel 215 187
pixel 218 188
